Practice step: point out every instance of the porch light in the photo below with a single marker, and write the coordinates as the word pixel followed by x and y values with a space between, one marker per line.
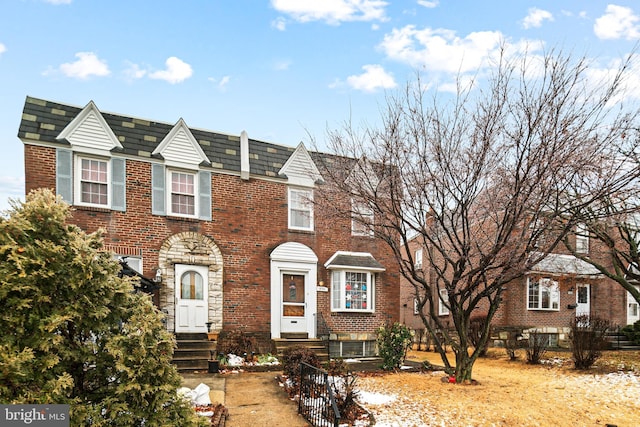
pixel 158 276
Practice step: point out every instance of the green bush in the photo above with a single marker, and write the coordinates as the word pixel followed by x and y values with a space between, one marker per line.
pixel 393 343
pixel 632 332
pixel 74 332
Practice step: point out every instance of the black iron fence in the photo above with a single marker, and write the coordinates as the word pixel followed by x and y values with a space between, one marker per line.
pixel 317 402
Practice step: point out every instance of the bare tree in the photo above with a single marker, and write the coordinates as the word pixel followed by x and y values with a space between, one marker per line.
pixel 614 223
pixel 485 181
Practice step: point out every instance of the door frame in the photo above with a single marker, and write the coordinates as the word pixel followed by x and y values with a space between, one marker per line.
pixel 586 305
pixel 296 258
pixel 198 308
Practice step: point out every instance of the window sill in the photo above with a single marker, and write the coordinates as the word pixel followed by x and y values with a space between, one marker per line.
pixel 91 208
pixel 301 231
pixel 553 310
pixel 352 311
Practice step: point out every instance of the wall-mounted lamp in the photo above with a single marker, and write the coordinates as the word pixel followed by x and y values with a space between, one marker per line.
pixel 158 276
pixel 570 291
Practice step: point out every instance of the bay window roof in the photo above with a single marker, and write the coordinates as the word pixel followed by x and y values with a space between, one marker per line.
pixel 353 261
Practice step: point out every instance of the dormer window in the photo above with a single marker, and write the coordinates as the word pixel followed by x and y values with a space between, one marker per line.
pixel 300 209
pixel 183 193
pixel 92 186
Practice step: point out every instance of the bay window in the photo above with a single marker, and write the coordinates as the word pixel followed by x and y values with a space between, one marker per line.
pixel 352 291
pixel 543 294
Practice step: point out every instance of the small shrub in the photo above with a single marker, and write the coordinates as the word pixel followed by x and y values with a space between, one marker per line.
pixel 237 342
pixel 345 394
pixel 511 345
pixel 632 332
pixel 337 367
pixel 588 339
pixel 293 356
pixel 393 343
pixel 537 346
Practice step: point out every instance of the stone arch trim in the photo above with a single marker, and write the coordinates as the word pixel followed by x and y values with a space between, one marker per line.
pixel 193 249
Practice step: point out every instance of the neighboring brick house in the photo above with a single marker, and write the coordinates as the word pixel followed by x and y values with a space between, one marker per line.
pixel 224 223
pixel 560 287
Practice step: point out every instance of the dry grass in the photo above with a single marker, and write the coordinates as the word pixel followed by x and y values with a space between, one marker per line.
pixel 510 393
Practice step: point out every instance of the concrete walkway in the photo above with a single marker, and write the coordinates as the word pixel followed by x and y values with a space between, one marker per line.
pixel 253 399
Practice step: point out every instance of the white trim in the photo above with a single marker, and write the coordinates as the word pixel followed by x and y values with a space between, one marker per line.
pixel 309 196
pixel 168 192
pixel 187 153
pixel 295 258
pixel 443 310
pixel 77 180
pixel 84 144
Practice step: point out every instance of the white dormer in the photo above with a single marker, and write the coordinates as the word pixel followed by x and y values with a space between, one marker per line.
pixel 89 133
pixel 180 149
pixel 300 168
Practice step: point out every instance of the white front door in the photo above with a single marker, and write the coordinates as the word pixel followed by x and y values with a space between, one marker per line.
pixel 633 312
pixel 192 290
pixel 294 302
pixel 583 298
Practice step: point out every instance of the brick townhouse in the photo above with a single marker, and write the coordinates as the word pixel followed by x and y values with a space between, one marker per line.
pixel 547 298
pixel 225 224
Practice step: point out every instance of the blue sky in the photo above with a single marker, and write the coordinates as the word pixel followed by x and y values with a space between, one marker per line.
pixel 283 70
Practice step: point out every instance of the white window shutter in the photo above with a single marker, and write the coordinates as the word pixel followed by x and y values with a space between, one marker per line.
pixel 118 185
pixel 157 189
pixel 64 174
pixel 204 190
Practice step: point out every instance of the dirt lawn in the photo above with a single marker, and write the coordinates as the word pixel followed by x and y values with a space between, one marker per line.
pixel 509 393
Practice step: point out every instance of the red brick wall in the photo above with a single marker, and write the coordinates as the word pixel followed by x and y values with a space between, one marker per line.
pixel 249 220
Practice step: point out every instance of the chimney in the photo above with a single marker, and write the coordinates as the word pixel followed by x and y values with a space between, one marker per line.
pixel 244 155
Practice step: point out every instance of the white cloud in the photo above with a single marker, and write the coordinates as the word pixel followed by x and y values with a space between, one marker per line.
pixel 176 71
pixel 536 17
pixel 373 78
pixel 57 2
pixel 332 11
pixel 222 83
pixel 618 22
pixel 3 48
pixel 279 24
pixel 134 72
pixel 87 65
pixel 603 76
pixel 428 3
pixel 441 49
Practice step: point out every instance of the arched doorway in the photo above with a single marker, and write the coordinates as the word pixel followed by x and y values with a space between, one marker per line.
pixel 191 295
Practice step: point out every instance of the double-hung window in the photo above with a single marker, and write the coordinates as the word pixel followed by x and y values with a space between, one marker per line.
pixel 443 300
pixel 582 239
pixel 182 197
pixel 543 294
pixel 417 259
pixel 92 182
pixel 361 219
pixel 300 209
pixel 352 291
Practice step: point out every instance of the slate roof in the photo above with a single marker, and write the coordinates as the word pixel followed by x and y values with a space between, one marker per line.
pixel 352 260
pixel 43 121
pixel 565 264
